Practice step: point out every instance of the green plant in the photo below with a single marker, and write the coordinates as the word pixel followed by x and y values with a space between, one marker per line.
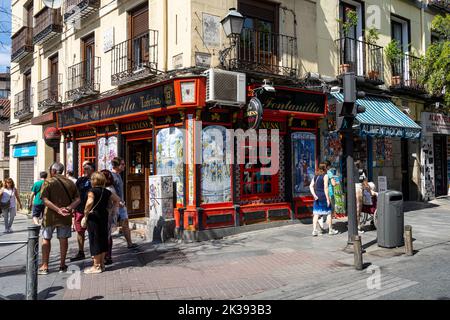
pixel 372 35
pixel 393 52
pixel 351 21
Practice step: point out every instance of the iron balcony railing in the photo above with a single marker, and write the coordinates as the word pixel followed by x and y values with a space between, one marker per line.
pixel 361 57
pixel 74 10
pixel 23 106
pixel 83 79
pixel 22 44
pixel 265 52
pixel 47 24
pixel 440 4
pixel 406 73
pixel 135 59
pixel 49 92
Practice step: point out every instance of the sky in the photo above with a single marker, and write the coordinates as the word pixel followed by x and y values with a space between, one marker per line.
pixel 5 33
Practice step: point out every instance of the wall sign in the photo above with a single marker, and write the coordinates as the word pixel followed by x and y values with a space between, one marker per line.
pixel 435 123
pixel 297 101
pixel 156 97
pixel 138 125
pixel 382 184
pixel 25 150
pixel 52 137
pixel 211 30
pixel 254 113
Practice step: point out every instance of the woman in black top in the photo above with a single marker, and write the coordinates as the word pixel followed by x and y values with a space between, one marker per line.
pixel 96 215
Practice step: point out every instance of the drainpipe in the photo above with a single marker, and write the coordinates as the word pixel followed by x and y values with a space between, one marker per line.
pixel 166 36
pixel 422 25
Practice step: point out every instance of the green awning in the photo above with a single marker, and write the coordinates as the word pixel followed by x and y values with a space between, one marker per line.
pixel 382 118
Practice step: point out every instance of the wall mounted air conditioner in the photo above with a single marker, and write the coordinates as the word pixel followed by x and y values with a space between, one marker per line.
pixel 225 87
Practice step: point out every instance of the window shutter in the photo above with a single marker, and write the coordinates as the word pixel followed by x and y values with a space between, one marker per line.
pixel 139 22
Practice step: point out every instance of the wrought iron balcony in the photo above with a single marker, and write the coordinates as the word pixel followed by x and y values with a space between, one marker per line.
pixel 135 59
pixel 49 93
pixel 440 4
pixel 265 53
pixel 23 108
pixel 362 58
pixel 83 79
pixel 406 73
pixel 47 24
pixel 22 44
pixel 75 10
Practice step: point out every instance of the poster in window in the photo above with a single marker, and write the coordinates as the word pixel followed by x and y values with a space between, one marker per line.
pixel 216 175
pixel 169 157
pixel 304 161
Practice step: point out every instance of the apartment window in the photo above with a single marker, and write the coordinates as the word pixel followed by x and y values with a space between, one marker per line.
pixel 138 30
pixel 54 81
pixel 27 86
pixel 6 144
pixel 4 94
pixel 400 32
pixel 88 53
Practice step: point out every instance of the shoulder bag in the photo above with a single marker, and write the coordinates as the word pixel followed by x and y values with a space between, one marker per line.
pixel 84 220
pixel 6 204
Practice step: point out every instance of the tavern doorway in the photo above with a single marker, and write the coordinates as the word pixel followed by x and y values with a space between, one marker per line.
pixel 139 166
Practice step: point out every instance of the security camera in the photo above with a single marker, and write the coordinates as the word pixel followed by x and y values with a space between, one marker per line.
pixel 268 88
pixel 335 89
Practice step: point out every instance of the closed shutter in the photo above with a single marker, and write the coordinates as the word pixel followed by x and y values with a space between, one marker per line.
pixel 139 22
pixel 26 174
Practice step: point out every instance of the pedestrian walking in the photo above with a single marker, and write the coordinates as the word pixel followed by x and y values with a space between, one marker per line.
pixel 322 203
pixel 113 212
pixel 8 196
pixel 83 186
pixel 60 196
pixel 118 165
pixel 36 205
pixel 96 219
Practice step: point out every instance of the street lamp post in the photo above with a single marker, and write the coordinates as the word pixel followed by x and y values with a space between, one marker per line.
pixel 232 26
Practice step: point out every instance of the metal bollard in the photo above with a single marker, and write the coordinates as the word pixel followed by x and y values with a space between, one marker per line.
pixel 408 241
pixel 237 221
pixel 32 262
pixel 357 251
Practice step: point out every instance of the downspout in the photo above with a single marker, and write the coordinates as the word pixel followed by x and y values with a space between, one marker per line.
pixel 422 26
pixel 166 36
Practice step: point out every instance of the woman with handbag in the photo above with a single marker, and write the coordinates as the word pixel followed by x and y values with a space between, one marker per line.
pixel 8 196
pixel 96 220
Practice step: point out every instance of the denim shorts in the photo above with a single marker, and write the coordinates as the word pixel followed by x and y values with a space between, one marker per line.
pixel 38 210
pixel 123 214
pixel 62 232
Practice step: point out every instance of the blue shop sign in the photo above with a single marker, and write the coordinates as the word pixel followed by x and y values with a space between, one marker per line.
pixel 25 150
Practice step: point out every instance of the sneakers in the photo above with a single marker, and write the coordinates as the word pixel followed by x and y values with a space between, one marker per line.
pixel 63 269
pixel 78 257
pixel 315 233
pixel 321 223
pixel 333 232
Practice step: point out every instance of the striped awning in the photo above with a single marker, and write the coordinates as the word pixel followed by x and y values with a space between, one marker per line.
pixel 382 118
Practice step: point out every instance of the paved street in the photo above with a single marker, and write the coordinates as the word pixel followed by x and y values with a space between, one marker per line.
pixel 277 263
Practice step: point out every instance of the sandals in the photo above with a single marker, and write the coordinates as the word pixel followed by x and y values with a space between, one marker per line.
pixel 94 270
pixel 43 271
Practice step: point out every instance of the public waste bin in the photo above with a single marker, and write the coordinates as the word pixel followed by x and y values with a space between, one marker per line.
pixel 390 219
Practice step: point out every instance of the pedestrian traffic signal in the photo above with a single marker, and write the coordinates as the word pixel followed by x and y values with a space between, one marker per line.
pixel 347 110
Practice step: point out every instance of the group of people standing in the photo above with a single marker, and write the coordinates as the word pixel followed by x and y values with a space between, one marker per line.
pixel 94 203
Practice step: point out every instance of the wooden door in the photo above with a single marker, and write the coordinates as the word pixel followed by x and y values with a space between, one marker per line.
pixel 138 53
pixel 137 173
pixel 87 154
pixel 54 78
pixel 89 61
pixel 27 85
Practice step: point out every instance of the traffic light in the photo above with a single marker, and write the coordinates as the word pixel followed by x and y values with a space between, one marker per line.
pixel 346 111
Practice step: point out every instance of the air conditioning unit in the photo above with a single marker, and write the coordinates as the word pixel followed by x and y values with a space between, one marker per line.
pixel 225 87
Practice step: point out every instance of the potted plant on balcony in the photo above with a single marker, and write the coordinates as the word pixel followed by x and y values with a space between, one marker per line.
pixel 415 71
pixel 394 56
pixel 372 36
pixel 350 22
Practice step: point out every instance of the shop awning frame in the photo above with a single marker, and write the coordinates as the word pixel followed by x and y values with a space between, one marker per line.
pixel 383 119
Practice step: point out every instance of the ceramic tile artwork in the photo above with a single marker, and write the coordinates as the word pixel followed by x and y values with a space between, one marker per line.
pixel 169 157
pixel 69 156
pixel 304 157
pixel 216 174
pixel 160 197
pixel 107 150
